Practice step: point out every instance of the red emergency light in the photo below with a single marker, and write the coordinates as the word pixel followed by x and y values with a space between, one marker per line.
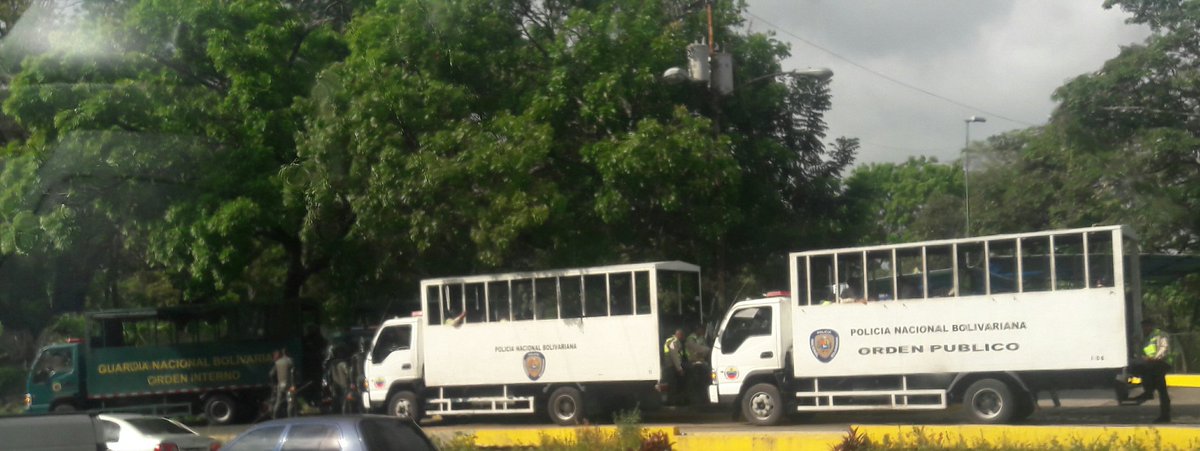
pixel 778 294
pixel 75 341
pixel 418 314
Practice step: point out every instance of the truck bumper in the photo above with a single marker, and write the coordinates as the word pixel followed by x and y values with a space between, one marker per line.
pixel 713 397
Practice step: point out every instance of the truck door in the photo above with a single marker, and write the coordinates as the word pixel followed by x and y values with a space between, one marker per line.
pixel 393 358
pixel 54 376
pixel 748 345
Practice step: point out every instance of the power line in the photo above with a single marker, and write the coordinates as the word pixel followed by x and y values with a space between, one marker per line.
pixel 907 149
pixel 887 77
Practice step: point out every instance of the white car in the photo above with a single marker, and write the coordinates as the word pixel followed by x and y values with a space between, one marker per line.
pixel 135 432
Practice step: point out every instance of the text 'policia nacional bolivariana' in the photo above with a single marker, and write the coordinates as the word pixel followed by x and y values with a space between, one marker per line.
pixel 938 328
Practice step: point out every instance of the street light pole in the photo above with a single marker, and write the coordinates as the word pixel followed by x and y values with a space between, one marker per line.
pixel 966 182
pixel 819 73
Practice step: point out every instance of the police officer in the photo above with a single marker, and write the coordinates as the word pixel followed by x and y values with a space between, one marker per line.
pixel 1152 367
pixel 697 351
pixel 673 372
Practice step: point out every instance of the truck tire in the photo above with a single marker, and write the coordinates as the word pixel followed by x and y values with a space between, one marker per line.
pixel 762 405
pixel 64 407
pixel 565 406
pixel 989 401
pixel 220 409
pixel 404 405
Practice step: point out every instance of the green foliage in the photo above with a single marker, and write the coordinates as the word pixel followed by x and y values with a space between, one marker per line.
pixel 853 441
pixel 70 325
pixel 154 152
pixel 11 376
pixel 920 439
pixel 1119 149
pixel 187 151
pixel 629 431
pixel 628 435
pixel 917 200
pixel 412 162
pixel 459 442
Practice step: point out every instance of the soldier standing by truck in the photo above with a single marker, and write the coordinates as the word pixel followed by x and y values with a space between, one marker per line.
pixel 674 374
pixel 282 374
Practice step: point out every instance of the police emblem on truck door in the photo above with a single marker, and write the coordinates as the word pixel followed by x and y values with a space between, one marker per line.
pixel 535 365
pixel 824 344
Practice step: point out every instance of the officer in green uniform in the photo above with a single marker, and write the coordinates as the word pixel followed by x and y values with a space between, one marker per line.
pixel 1152 367
pixel 675 356
pixel 699 372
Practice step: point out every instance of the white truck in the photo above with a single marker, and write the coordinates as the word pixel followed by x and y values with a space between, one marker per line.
pixel 987 322
pixel 567 342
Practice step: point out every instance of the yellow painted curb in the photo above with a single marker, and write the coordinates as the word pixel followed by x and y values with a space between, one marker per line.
pixel 752 441
pixel 499 438
pixel 1183 380
pixel 1181 438
pixel 1032 437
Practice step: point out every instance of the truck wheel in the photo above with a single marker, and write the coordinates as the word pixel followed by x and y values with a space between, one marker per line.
pixel 404 405
pixel 989 401
pixel 220 409
pixel 565 406
pixel 762 405
pixel 64 407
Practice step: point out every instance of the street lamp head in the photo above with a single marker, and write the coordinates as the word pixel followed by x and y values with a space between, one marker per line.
pixel 675 75
pixel 819 73
pixel 976 119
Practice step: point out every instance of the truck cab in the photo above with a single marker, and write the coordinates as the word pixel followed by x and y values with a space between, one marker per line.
pixel 393 368
pixel 54 383
pixel 752 346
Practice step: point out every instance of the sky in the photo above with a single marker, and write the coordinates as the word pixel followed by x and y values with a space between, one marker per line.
pixel 1001 58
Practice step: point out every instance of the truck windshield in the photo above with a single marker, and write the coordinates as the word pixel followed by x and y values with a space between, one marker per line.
pixel 51 362
pixel 391 339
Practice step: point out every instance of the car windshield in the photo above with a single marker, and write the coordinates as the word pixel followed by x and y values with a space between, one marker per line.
pixel 382 434
pixel 157 426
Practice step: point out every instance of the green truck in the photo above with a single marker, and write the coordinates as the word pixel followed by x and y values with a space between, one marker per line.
pixel 213 359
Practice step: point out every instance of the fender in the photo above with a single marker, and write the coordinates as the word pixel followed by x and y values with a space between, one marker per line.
pixel 546 388
pixel 416 385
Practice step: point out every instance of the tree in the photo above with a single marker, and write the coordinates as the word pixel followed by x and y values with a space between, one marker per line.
pixel 157 147
pixel 1120 148
pixel 919 199
pixel 203 151
pixel 414 163
pixel 1142 111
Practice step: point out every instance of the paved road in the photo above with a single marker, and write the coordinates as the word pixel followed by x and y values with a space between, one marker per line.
pixel 1097 408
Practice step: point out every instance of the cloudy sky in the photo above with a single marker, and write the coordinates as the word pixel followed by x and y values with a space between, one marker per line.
pixel 1002 58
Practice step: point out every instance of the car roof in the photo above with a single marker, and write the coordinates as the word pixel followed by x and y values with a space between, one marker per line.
pixel 348 419
pixel 125 416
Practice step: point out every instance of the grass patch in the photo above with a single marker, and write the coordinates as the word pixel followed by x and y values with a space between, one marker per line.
pixel 920 439
pixel 628 435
